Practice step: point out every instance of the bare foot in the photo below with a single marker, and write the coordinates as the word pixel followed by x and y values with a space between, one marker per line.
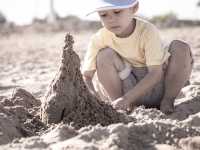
pixel 167 106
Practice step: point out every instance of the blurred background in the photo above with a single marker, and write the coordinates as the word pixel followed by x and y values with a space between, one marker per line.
pixel 65 13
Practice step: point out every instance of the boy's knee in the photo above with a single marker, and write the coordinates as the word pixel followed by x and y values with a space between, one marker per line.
pixel 104 55
pixel 180 45
pixel 108 56
pixel 180 49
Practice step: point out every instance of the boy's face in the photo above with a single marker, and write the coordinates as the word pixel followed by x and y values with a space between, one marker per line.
pixel 118 21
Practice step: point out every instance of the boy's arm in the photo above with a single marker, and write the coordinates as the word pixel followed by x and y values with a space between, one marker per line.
pixel 87 77
pixel 153 76
pixel 147 83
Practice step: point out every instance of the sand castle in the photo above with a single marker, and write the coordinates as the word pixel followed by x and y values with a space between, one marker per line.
pixel 69 100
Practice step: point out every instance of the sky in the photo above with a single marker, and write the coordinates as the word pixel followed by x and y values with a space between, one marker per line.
pixel 23 11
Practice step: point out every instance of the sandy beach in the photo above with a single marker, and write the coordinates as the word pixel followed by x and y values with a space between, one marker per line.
pixel 29 62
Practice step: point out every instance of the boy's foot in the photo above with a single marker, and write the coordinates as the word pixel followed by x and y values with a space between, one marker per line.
pixel 167 106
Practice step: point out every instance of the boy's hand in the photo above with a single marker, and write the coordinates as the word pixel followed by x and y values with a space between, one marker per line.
pixel 121 104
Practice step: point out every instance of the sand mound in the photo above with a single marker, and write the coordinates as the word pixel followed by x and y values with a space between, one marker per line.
pixel 18 116
pixel 149 134
pixel 69 100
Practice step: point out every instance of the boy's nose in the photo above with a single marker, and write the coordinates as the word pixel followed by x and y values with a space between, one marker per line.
pixel 111 20
pixel 110 17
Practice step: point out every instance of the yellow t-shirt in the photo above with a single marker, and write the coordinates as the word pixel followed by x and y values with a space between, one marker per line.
pixel 142 48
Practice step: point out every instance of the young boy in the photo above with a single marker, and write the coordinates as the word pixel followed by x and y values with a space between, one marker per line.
pixel 132 65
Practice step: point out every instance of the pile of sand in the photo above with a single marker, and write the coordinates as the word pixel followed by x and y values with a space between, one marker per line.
pixel 151 130
pixel 69 100
pixel 19 117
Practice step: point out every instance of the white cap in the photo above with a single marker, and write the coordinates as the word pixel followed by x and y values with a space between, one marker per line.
pixel 101 5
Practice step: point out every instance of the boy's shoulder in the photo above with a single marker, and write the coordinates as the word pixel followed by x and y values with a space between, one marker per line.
pixel 144 23
pixel 145 26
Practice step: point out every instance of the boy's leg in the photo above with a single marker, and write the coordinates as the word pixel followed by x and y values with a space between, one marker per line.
pixel 177 74
pixel 109 64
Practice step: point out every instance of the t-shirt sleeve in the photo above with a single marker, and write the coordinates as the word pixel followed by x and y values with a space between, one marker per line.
pixel 95 44
pixel 155 54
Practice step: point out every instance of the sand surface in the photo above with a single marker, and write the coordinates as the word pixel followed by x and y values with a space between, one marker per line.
pixel 29 62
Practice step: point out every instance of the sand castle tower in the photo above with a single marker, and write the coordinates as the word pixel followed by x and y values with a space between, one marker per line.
pixel 68 98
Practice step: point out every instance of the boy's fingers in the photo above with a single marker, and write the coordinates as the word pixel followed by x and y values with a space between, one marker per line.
pixel 116 106
pixel 119 105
